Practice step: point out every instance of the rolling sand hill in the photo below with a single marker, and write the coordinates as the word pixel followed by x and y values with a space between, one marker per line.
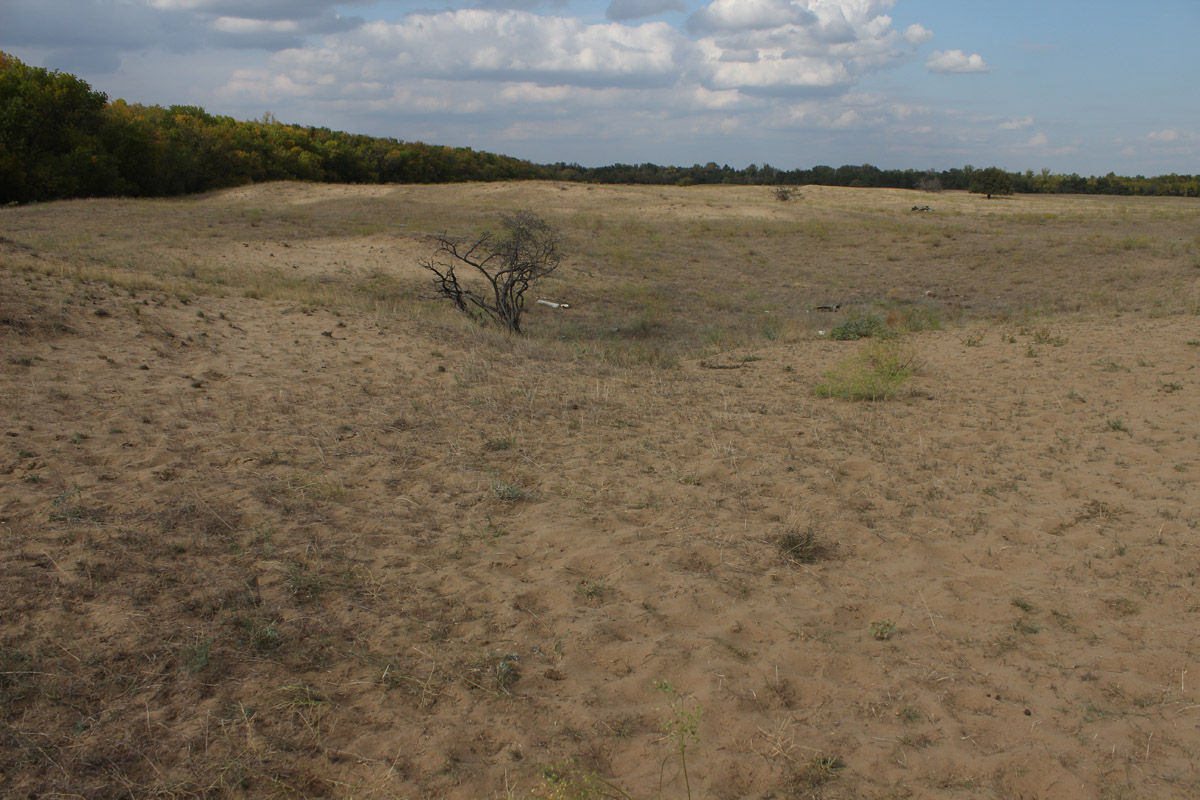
pixel 275 524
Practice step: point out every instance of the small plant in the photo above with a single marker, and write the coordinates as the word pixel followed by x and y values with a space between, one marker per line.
pixel 681 725
pixel 973 340
pixel 1117 424
pixel 783 193
pixel 875 373
pixel 809 777
pixel 882 629
pixel 1024 605
pixel 802 546
pixel 498 443
pixel 197 656
pixel 496 672
pixel 507 492
pixel 592 590
pixel 861 327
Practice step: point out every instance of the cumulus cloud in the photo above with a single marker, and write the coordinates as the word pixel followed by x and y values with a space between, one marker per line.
pixel 917 35
pixel 949 62
pixel 742 15
pixel 1038 140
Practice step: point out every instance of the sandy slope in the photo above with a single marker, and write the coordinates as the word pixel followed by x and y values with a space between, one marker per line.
pixel 254 548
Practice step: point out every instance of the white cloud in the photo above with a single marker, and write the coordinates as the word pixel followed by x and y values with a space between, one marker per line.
pixel 739 15
pixel 956 61
pixel 502 46
pixel 1038 140
pixel 1172 136
pixel 1017 124
pixel 917 35
pixel 1163 136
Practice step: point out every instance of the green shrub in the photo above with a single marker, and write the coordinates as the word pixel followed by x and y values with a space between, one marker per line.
pixel 876 372
pixel 861 327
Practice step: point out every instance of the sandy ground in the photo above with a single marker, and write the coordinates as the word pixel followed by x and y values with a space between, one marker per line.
pixel 253 548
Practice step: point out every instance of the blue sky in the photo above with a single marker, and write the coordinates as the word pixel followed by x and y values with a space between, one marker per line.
pixel 1022 84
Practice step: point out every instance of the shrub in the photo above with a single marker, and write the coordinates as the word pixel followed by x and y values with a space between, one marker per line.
pixel 861 327
pixel 510 263
pixel 875 372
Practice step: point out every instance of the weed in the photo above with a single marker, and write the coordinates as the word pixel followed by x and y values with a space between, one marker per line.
pixel 69 507
pixel 686 479
pixel 807 779
pixel 197 656
pixel 495 672
pixel 592 590
pixel 973 340
pixel 507 492
pixel 497 444
pixel 566 780
pixel 260 634
pixel 802 546
pixel 1024 605
pixel 882 629
pixel 874 373
pixel 1117 424
pixel 1123 606
pixel 861 327
pixel 1043 336
pixel 681 725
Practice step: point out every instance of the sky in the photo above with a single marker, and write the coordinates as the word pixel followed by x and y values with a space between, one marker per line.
pixel 1086 87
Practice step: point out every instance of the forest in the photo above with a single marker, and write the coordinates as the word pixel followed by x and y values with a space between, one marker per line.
pixel 60 139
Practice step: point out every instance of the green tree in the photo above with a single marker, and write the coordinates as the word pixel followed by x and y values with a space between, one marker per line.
pixel 50 144
pixel 990 181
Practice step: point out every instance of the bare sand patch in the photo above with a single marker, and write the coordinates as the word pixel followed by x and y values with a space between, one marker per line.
pixel 333 541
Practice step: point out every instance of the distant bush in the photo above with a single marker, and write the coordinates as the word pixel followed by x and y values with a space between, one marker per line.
pixel 914 318
pixel 864 326
pixel 875 372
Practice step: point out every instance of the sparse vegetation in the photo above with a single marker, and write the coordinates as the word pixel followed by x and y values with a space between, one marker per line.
pixel 863 326
pixel 876 372
pixel 333 571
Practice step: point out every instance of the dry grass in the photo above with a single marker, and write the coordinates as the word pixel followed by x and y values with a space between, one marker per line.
pixel 274 524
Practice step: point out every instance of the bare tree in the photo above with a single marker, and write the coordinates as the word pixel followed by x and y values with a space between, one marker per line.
pixel 509 263
pixel 930 182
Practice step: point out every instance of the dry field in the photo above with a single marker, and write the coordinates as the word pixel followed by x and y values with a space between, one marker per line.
pixel 275 524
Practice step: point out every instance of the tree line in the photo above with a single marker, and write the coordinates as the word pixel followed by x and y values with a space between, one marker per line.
pixel 59 139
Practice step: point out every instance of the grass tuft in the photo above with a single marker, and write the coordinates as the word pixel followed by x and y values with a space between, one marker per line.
pixel 874 373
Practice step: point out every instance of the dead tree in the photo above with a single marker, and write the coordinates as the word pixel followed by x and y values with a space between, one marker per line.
pixel 509 263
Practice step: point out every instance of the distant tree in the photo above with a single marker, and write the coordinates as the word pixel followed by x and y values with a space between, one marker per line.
pixel 509 263
pixel 930 182
pixel 50 144
pixel 990 181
